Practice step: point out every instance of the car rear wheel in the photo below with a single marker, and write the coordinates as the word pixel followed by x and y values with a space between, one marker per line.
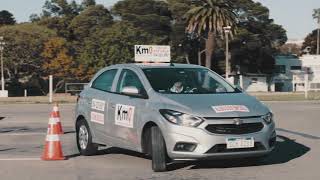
pixel 158 150
pixel 84 139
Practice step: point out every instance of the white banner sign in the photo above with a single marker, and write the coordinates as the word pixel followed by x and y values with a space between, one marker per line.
pixel 151 53
pixel 230 108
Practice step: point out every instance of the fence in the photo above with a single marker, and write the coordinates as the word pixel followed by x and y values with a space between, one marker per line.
pixel 74 88
pixel 314 86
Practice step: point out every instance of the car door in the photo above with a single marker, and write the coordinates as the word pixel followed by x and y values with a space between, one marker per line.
pixel 98 98
pixel 125 110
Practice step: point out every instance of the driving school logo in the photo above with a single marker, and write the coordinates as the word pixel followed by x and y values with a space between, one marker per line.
pixel 124 115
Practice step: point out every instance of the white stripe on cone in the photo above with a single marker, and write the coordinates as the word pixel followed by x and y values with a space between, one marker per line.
pixel 55 108
pixel 53 137
pixel 54 120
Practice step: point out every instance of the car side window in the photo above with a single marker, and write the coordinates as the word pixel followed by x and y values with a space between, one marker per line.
pixel 129 78
pixel 104 81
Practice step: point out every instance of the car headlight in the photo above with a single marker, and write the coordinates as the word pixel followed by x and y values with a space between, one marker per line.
pixel 181 119
pixel 268 118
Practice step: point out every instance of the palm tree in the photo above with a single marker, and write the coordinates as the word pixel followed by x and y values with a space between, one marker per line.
pixel 208 17
pixel 316 15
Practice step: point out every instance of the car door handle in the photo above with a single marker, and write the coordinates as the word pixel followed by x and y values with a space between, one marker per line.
pixel 113 105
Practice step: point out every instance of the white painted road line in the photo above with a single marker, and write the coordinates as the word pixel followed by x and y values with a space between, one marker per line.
pixel 19 159
pixel 22 134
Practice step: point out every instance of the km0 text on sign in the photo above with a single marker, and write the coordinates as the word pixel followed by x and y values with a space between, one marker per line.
pixel 150 53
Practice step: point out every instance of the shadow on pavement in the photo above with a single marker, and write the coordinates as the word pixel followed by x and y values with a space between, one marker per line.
pixel 27 129
pixel 1 118
pixel 298 133
pixel 286 150
pixel 69 132
pixel 8 149
pixel 112 150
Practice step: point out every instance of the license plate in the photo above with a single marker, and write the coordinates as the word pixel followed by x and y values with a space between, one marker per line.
pixel 233 143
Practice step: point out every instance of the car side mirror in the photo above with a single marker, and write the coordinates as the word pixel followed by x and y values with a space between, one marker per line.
pixel 130 90
pixel 134 91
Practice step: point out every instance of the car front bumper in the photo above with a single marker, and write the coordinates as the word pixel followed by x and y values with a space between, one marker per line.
pixel 213 146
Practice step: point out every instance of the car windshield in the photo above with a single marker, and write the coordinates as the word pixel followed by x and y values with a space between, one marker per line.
pixel 187 81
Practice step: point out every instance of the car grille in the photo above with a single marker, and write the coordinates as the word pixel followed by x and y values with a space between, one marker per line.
pixel 222 148
pixel 245 128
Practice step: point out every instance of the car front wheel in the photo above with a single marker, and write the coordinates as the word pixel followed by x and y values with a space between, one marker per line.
pixel 84 139
pixel 158 150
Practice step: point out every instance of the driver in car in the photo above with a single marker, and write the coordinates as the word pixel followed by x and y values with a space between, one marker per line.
pixel 177 87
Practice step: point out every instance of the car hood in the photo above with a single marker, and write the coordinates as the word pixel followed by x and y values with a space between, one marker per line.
pixel 202 104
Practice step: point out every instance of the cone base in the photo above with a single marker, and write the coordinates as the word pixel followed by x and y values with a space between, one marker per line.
pixel 53 159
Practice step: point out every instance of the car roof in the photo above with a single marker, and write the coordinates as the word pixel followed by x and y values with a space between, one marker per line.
pixel 156 65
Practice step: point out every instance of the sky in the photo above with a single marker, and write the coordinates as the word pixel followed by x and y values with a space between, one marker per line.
pixel 294 15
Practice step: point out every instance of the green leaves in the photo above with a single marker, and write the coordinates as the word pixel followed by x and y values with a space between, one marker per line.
pixel 311 41
pixel 25 43
pixel 210 16
pixel 112 45
pixel 90 20
pixel 6 18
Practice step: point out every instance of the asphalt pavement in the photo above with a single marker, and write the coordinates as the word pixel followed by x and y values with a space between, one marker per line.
pixel 23 129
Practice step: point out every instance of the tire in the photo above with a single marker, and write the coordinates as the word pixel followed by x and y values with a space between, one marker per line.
pixel 85 147
pixel 158 150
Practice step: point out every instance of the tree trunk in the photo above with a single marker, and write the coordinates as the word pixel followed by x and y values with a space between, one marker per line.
pixel 209 48
pixel 318 40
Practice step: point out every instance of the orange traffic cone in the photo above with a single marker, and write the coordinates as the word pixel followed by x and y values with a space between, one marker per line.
pixel 55 114
pixel 53 148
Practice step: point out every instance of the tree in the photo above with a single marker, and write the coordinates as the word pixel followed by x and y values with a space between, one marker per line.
pixel 290 48
pixel 183 47
pixel 113 45
pixel 257 40
pixel 6 18
pixel 316 15
pixel 22 52
pixel 58 24
pixel 90 20
pixel 58 62
pixel 58 14
pixel 87 3
pixel 150 16
pixel 60 8
pixel 207 18
pixel 34 18
pixel 310 41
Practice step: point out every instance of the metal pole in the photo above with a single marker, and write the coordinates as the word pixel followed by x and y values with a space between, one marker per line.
pixel 241 81
pixel 50 88
pixel 199 58
pixel 2 74
pixel 306 85
pixel 318 39
pixel 227 55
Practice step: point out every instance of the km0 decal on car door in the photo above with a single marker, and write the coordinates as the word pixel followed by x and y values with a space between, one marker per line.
pixel 124 115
